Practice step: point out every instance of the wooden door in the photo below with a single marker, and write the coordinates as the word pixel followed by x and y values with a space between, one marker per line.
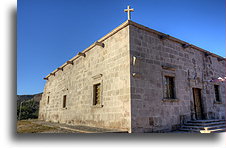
pixel 198 103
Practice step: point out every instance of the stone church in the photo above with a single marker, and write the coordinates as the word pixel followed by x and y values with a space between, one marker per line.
pixel 136 79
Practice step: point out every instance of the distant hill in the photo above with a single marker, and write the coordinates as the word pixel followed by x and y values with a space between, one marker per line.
pixel 37 97
pixel 28 106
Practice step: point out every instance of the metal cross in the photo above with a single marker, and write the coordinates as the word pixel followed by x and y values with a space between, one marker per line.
pixel 128 10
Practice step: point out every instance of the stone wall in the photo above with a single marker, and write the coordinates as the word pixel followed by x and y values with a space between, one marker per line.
pixel 109 66
pixel 190 67
pixel 131 69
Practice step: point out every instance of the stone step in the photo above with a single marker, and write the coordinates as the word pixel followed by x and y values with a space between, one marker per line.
pixel 205 124
pixel 219 130
pixel 206 121
pixel 198 126
pixel 202 127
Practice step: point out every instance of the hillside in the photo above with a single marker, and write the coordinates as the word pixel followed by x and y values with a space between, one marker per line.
pixel 28 106
pixel 37 97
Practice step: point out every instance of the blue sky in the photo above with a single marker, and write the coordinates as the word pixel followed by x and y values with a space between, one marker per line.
pixel 50 32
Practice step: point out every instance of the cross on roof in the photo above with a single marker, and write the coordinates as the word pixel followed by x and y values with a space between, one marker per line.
pixel 128 10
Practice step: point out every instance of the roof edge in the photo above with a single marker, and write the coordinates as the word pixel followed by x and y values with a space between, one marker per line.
pixel 174 39
pixel 114 31
pixel 123 25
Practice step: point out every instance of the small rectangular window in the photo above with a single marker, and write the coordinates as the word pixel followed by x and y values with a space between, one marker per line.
pixel 169 87
pixel 48 100
pixel 64 101
pixel 97 94
pixel 217 94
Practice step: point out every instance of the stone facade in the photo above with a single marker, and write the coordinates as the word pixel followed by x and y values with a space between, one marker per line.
pixel 156 58
pixel 108 66
pixel 131 68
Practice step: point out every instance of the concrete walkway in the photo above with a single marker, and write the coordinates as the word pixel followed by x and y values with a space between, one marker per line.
pixel 77 128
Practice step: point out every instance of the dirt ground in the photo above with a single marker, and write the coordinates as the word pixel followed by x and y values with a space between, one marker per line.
pixel 30 126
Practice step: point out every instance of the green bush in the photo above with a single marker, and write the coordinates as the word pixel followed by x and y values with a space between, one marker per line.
pixel 29 110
